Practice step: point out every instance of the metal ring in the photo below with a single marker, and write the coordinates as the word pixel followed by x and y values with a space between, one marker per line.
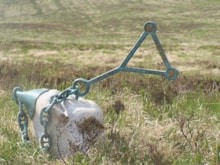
pixel 150 27
pixel 86 86
pixel 172 73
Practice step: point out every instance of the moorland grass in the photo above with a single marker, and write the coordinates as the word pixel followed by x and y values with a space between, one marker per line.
pixel 148 119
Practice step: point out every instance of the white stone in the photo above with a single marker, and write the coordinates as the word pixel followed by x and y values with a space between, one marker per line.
pixel 74 124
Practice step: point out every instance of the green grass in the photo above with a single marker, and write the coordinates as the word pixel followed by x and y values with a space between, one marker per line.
pixel 148 120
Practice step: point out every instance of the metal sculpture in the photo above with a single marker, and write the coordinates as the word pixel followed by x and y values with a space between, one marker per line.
pixel 28 98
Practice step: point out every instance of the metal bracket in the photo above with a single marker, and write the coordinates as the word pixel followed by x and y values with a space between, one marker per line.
pixel 28 98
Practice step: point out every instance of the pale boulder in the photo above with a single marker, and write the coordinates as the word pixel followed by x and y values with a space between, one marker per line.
pixel 74 125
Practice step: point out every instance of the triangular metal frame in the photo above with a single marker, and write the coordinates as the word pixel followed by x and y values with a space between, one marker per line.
pixel 170 72
pixel 149 29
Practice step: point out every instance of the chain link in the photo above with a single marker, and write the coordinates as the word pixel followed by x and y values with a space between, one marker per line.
pixel 45 139
pixel 23 123
pixel 45 117
pixel 64 94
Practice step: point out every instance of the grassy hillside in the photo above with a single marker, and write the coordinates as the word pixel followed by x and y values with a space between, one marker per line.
pixel 51 43
pixel 188 29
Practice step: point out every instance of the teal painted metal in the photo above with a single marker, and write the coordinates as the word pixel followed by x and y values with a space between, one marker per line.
pixel 149 29
pixel 29 98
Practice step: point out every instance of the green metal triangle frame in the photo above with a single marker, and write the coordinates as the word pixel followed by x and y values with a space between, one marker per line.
pixel 149 29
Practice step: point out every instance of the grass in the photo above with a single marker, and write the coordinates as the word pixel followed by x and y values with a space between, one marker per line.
pixel 148 120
